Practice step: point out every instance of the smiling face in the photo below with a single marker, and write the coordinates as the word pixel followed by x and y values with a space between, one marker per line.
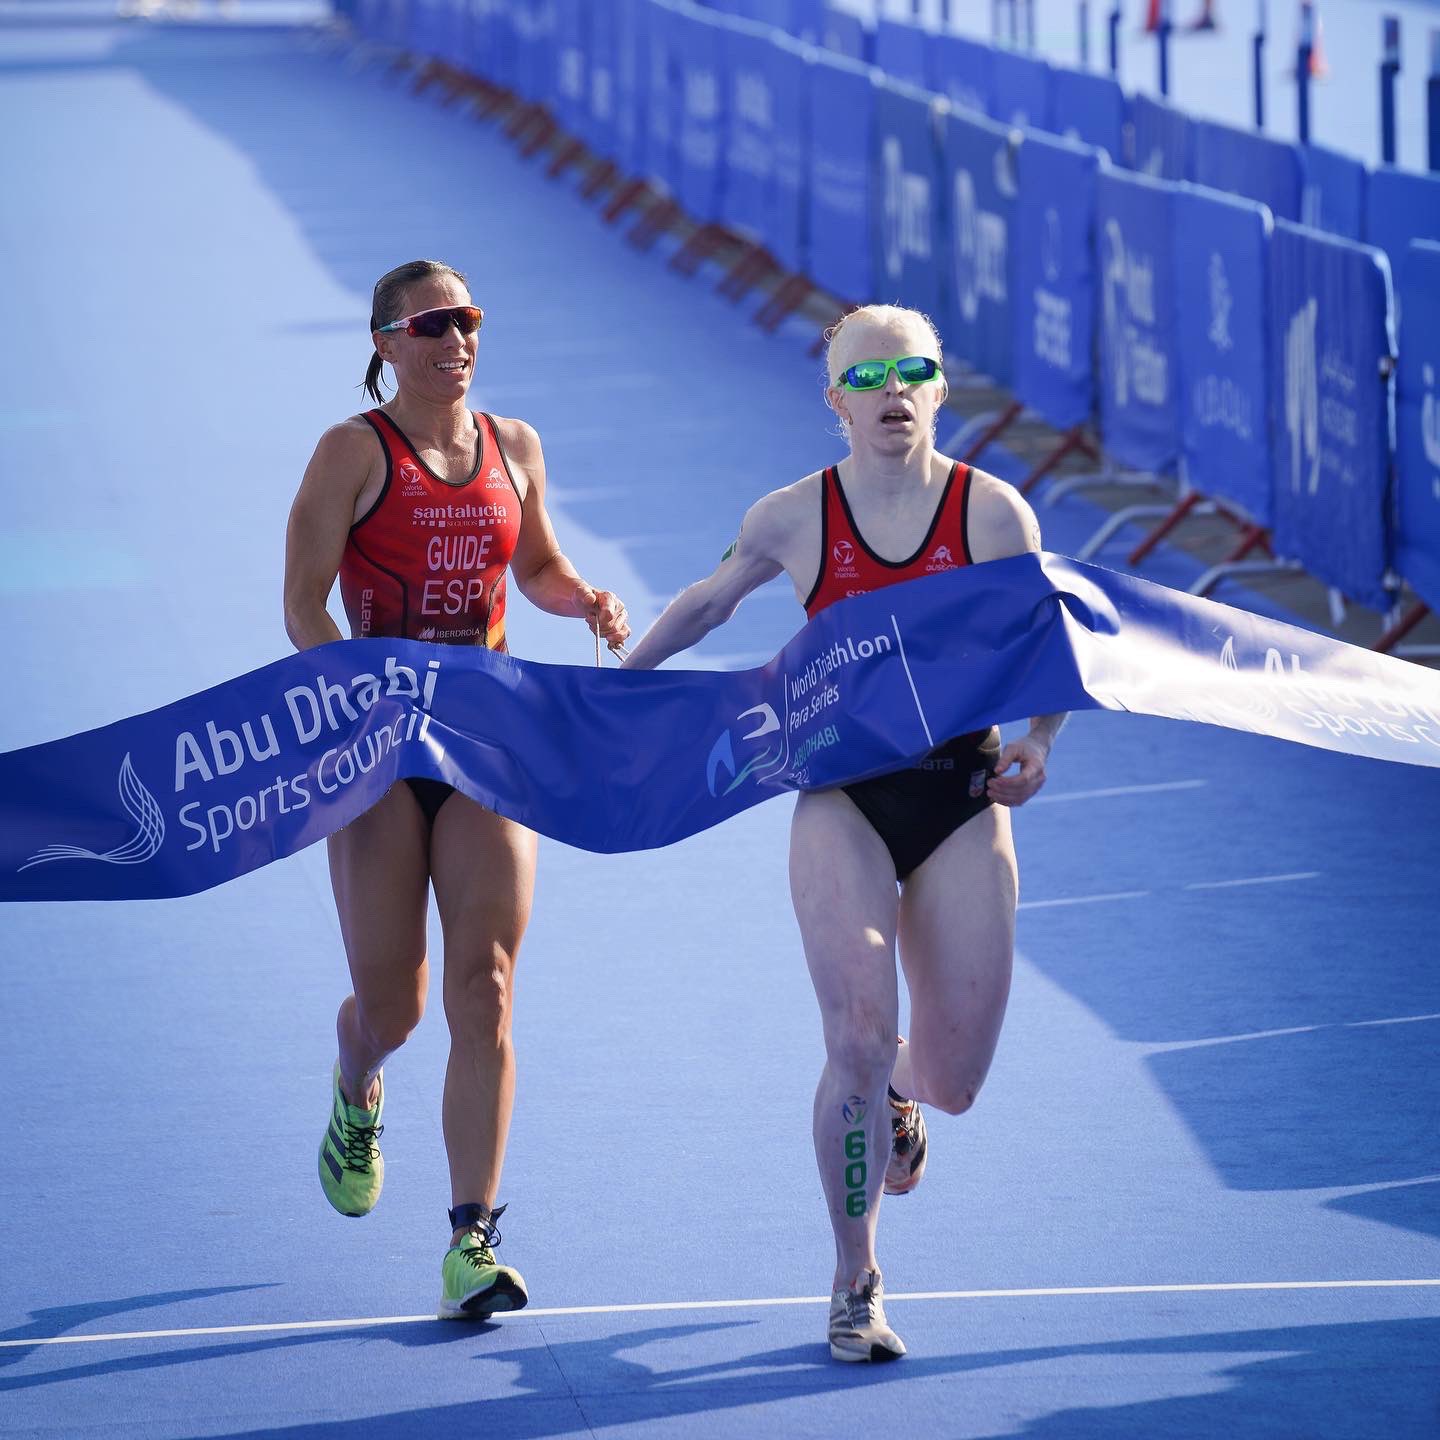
pixel 897 418
pixel 438 370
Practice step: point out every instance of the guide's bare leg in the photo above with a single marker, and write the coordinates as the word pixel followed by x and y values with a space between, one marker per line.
pixel 379 869
pixel 483 869
pixel 842 883
pixel 957 945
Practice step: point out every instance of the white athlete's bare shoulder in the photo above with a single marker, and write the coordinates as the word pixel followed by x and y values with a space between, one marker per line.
pixel 1001 520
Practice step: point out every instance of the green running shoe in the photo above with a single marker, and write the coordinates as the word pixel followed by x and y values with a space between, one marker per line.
pixel 352 1169
pixel 473 1286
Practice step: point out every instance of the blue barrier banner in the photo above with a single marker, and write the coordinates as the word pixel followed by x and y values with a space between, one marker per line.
pixel 900 52
pixel 600 121
pixel 491 46
pixel 806 21
pixel 632 75
pixel 571 101
pixel 660 91
pixel 845 34
pixel 838 216
pixel 1400 207
pixel 1139 403
pixel 1163 140
pixel 960 71
pixel 700 79
pixel 750 136
pixel 1055 278
pixel 1222 253
pixel 979 170
pixel 1417 422
pixel 196 793
pixel 1090 108
pixel 1330 334
pixel 786 233
pixel 457 32
pixel 1019 90
pixel 904 204
pixel 1241 162
pixel 422 27
pixel 1334 192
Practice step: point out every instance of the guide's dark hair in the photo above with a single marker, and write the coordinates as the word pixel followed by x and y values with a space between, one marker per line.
pixel 388 303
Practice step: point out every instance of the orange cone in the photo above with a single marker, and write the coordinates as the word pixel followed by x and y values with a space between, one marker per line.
pixel 1319 66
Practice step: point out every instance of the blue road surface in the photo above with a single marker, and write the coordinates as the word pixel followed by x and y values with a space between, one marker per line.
pixel 1200 1195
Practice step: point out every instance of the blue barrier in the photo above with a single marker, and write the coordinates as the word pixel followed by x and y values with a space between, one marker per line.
pixel 1334 192
pixel 1222 251
pixel 481 45
pixel 904 209
pixel 1139 405
pixel 1019 90
pixel 631 75
pixel 1417 423
pixel 807 21
pixel 1163 140
pixel 659 110
pixel 846 35
pixel 1401 207
pixel 752 105
pixel 960 71
pixel 422 27
pixel 1089 108
pixel 571 105
pixel 456 25
pixel 978 168
pixel 602 83
pixel 900 52
pixel 1253 166
pixel 1330 332
pixel 838 213
pixel 698 52
pixel 783 227
pixel 1055 278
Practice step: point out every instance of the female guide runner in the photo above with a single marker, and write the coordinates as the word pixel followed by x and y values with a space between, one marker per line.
pixel 922 857
pixel 423 508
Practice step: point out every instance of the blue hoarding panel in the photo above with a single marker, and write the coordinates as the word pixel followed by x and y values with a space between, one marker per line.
pixel 1163 142
pixel 1055 279
pixel 601 93
pixel 571 102
pixel 1241 162
pixel 632 74
pixel 904 203
pixel 960 71
pixel 838 214
pixel 1019 90
pixel 978 165
pixel 700 78
pixel 900 51
pixel 785 231
pixel 1334 192
pixel 659 87
pixel 1139 373
pixel 1401 207
pixel 752 104
pixel 845 34
pixel 1330 332
pixel 1417 423
pixel 1089 108
pixel 1222 260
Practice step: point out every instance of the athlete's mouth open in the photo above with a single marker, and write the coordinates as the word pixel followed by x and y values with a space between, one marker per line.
pixel 896 417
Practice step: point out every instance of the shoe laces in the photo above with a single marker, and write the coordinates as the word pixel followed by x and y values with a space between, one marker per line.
pixel 361 1151
pixel 488 1234
pixel 862 1306
pixel 906 1130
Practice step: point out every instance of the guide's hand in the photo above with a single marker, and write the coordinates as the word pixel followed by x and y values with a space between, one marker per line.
pixel 1029 755
pixel 604 613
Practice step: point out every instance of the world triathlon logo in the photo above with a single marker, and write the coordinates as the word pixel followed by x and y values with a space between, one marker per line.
pixel 723 770
pixel 149 835
pixel 853 1110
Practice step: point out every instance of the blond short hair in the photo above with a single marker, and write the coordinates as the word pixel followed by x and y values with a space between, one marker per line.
pixel 896 315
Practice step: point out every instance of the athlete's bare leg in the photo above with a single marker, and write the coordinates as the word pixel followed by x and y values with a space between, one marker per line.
pixel 483 869
pixel 379 869
pixel 957 944
pixel 842 883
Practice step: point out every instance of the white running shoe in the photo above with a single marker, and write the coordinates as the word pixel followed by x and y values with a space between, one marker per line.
pixel 908 1144
pixel 858 1328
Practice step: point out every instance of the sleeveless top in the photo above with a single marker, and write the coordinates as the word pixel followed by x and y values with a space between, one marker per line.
pixel 427 561
pixel 848 566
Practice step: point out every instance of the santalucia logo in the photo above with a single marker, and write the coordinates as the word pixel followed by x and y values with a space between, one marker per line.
pixel 149 836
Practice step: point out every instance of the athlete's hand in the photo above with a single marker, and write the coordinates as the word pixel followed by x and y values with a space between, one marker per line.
pixel 604 613
pixel 1029 755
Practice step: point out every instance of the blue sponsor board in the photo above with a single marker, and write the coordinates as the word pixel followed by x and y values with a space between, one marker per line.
pixel 572 66
pixel 1089 108
pixel 978 167
pixel 700 81
pixel 1334 192
pixel 1163 141
pixel 1244 163
pixel 1019 90
pixel 601 82
pixel 1400 207
pixel 1417 422
pixel 900 52
pixel 658 141
pixel 1139 381
pixel 960 71
pixel 1222 259
pixel 845 34
pixel 904 239
pixel 1330 357
pixel 838 219
pixel 752 104
pixel 632 100
pixel 1055 279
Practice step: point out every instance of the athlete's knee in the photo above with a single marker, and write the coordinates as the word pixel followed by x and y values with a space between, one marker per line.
pixel 388 1022
pixel 479 995
pixel 952 1091
pixel 860 1045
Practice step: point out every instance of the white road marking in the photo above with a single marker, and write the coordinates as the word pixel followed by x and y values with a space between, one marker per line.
pixel 1083 900
pixel 652 1307
pixel 1120 790
pixel 1254 880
